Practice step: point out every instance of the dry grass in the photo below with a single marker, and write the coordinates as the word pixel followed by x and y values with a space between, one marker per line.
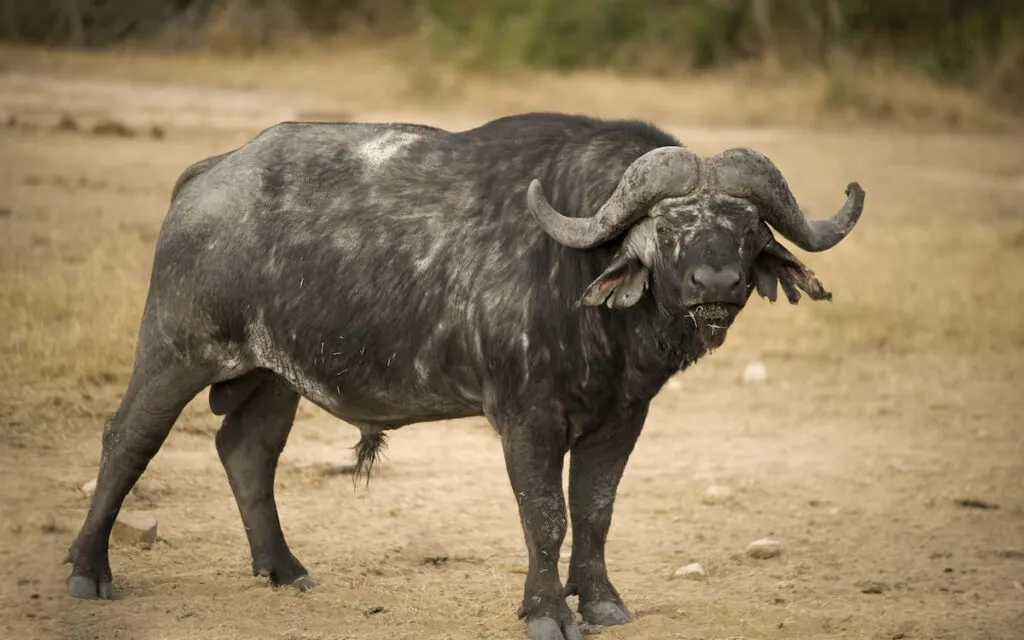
pixel 400 80
pixel 78 319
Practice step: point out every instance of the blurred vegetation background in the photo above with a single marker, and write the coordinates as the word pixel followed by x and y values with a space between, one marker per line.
pixel 977 45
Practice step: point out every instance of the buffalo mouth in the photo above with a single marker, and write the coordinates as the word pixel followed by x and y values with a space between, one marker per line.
pixel 712 321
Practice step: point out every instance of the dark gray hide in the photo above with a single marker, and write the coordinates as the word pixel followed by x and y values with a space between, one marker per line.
pixel 394 274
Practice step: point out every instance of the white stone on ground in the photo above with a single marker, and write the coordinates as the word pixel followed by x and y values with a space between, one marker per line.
pixel 716 494
pixel 692 571
pixel 755 372
pixel 764 548
pixel 88 488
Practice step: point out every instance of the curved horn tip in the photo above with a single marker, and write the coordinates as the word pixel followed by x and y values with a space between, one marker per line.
pixel 535 198
pixel 854 205
pixel 832 232
pixel 535 188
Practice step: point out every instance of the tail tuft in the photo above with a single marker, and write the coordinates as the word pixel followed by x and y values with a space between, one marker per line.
pixel 368 452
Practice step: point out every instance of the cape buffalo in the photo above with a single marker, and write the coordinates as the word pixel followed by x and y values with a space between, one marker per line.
pixel 547 271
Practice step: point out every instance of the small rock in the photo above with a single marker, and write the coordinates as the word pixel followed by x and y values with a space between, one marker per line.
pixel 764 548
pixel 873 588
pixel 974 503
pixel 424 550
pixel 135 528
pixel 67 123
pixel 786 584
pixel 755 372
pixel 692 571
pixel 716 494
pixel 1018 586
pixel 88 488
pixel 112 128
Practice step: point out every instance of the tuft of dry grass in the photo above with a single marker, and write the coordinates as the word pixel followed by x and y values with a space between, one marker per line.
pixel 74 321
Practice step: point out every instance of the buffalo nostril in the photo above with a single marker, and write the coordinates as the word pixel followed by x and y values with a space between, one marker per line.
pixel 705 278
pixel 730 276
pixel 702 277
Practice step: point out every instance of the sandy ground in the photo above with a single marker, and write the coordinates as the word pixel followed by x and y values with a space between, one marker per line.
pixel 881 414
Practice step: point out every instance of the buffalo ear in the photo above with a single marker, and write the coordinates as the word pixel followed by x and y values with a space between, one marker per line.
pixel 776 265
pixel 619 286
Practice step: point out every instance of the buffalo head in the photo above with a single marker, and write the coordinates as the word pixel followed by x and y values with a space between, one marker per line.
pixel 697 233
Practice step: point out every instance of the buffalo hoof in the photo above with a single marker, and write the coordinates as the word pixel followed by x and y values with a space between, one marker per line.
pixel 551 629
pixel 605 613
pixel 90 588
pixel 303 583
pixel 287 572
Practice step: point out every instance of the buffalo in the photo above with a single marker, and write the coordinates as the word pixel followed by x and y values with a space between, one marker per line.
pixel 548 271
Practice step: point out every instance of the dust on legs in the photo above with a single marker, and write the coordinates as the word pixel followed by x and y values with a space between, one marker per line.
pixel 534 458
pixel 597 462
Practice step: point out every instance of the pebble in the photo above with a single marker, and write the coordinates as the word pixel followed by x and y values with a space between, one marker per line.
pixel 716 494
pixel 134 528
pixel 764 548
pixel 755 372
pixel 424 550
pixel 692 571
pixel 88 488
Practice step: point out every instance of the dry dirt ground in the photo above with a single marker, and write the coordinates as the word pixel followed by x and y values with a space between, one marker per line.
pixel 885 449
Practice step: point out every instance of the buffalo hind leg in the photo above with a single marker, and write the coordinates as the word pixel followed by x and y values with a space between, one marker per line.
pixel 596 464
pixel 534 457
pixel 161 385
pixel 249 444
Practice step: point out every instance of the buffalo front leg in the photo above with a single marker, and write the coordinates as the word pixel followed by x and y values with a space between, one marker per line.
pixel 534 459
pixel 249 444
pixel 596 464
